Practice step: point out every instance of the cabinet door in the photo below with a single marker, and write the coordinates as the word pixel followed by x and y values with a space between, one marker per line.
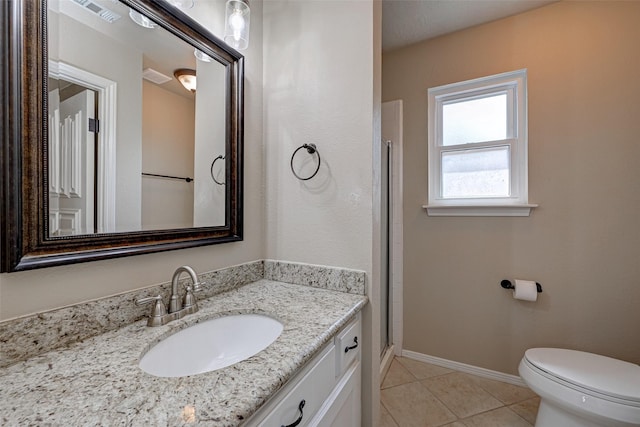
pixel 342 408
pixel 312 388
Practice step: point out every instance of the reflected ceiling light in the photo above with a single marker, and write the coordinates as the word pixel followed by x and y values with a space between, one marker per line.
pixel 236 24
pixel 182 4
pixel 187 77
pixel 202 56
pixel 140 19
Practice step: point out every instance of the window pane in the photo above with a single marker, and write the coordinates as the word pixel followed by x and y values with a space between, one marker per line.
pixel 476 173
pixel 475 120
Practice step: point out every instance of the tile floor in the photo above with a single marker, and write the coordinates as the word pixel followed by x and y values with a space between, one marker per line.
pixel 419 394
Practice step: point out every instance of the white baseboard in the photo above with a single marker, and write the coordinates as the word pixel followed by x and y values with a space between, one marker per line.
pixel 385 362
pixel 469 369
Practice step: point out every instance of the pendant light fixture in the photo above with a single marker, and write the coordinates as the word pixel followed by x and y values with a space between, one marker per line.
pixel 236 24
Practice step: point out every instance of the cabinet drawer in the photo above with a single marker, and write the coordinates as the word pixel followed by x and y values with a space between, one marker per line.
pixel 313 388
pixel 348 344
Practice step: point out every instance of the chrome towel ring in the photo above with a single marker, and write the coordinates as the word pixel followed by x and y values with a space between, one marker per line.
pixel 311 149
pixel 220 157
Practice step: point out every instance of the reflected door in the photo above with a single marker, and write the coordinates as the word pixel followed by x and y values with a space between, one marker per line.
pixel 72 160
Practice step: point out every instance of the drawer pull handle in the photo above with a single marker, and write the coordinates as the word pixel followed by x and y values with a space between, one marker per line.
pixel 355 340
pixel 296 422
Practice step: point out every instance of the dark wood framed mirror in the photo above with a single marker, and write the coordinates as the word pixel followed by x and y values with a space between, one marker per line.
pixel 37 230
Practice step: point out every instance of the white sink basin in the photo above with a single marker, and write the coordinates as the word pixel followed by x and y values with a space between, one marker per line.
pixel 211 345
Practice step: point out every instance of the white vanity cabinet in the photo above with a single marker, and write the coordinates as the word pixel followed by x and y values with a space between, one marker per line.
pixel 329 385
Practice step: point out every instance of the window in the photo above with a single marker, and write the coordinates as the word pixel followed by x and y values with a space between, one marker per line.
pixel 478 147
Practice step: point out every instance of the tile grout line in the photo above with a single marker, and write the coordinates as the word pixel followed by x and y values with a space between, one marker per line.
pixel 416 380
pixel 389 412
pixel 504 403
pixel 494 409
pixel 441 402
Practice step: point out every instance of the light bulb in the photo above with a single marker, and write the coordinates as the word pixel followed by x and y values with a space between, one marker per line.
pixel 237 24
pixel 236 21
pixel 189 82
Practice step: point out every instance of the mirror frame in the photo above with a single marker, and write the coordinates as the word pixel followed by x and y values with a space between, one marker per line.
pixel 23 155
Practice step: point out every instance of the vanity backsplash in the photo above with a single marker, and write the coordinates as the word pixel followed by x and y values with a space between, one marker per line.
pixel 317 276
pixel 39 333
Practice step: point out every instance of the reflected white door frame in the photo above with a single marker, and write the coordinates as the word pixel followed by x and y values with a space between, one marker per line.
pixel 106 167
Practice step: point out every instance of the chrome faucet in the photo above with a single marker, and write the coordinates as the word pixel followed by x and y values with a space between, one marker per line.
pixel 177 308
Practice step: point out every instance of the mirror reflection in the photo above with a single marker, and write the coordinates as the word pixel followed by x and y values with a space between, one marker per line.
pixel 130 147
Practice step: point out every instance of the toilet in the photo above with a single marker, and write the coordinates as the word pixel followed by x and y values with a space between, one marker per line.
pixel 579 389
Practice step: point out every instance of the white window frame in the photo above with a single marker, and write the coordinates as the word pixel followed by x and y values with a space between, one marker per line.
pixel 514 84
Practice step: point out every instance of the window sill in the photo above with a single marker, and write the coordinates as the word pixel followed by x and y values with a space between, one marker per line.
pixel 488 210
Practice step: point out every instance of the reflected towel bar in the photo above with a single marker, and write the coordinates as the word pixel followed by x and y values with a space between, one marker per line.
pixel 168 177
pixel 220 157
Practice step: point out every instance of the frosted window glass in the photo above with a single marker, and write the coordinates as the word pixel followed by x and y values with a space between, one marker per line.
pixel 476 173
pixel 475 120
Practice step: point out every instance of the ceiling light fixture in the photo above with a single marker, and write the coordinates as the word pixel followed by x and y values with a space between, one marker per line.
pixel 236 24
pixel 140 19
pixel 187 77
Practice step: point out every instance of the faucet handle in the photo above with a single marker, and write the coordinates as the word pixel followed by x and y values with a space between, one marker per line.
pixel 158 312
pixel 190 299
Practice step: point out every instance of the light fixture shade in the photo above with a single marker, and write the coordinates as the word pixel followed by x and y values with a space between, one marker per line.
pixel 140 19
pixel 187 77
pixel 202 56
pixel 236 24
pixel 182 4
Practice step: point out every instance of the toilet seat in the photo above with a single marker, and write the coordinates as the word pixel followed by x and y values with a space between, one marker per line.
pixel 599 376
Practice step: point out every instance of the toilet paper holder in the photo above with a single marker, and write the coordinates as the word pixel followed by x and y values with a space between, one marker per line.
pixel 506 284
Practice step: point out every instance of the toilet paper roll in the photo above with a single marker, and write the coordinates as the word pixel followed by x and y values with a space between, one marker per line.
pixel 525 290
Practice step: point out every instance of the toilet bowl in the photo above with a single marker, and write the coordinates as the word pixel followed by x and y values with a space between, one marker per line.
pixel 579 389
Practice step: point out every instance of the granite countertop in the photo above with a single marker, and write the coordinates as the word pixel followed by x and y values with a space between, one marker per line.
pixel 98 381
